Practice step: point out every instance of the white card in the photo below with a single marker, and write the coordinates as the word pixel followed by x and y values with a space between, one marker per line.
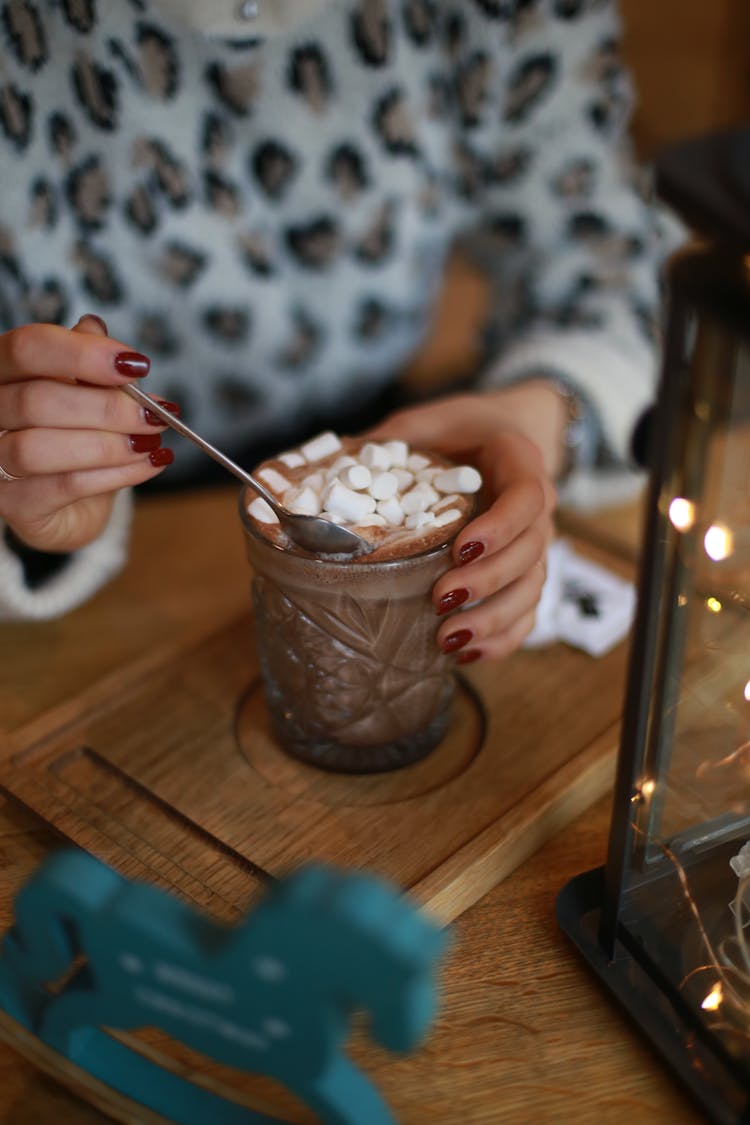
pixel 545 625
pixel 596 606
pixel 583 604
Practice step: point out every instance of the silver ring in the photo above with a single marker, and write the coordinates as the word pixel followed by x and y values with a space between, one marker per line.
pixel 4 474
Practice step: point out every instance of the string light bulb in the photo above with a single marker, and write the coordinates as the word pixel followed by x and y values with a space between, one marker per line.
pixel 643 792
pixel 682 513
pixel 713 1000
pixel 718 542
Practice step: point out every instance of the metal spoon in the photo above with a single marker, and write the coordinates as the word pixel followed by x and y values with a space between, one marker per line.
pixel 319 536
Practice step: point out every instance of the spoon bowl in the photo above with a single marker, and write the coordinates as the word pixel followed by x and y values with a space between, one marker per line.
pixel 312 533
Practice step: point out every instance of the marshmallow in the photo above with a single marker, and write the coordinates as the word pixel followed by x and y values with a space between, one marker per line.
pixel 339 465
pixel 427 474
pixel 391 510
pixel 415 462
pixel 321 446
pixel 275 481
pixel 356 476
pixel 398 452
pixel 292 459
pixel 404 477
pixel 303 501
pixel 446 517
pixel 418 499
pixel 375 456
pixel 446 501
pixel 462 478
pixel 419 519
pixel 346 502
pixel 261 511
pixel 315 481
pixel 384 486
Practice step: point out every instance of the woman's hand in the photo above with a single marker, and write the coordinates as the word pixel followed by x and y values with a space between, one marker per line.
pixel 68 435
pixel 514 436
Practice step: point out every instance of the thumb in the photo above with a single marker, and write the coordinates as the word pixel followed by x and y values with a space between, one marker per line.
pixel 91 325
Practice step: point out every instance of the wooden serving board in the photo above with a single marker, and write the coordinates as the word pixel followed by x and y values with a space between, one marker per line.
pixel 135 728
pixel 171 774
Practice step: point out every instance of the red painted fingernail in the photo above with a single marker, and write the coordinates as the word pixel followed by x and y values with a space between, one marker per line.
pixel 452 600
pixel 144 443
pixel 468 657
pixel 98 319
pixel 132 364
pixel 161 457
pixel 456 640
pixel 470 551
pixel 154 419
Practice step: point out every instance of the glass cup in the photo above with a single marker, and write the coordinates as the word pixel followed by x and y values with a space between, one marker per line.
pixel 353 677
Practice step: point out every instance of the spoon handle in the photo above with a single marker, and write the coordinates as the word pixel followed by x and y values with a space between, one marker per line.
pixel 177 424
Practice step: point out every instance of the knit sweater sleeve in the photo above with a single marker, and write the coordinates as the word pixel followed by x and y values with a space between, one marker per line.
pixel 545 141
pixel 75 578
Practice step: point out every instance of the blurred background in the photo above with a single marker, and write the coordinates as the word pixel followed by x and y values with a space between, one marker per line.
pixel 690 62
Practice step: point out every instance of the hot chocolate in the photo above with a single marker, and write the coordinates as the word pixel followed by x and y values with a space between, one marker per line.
pixel 353 677
pixel 402 501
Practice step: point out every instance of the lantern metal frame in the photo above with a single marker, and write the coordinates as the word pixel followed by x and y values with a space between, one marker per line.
pixel 597 909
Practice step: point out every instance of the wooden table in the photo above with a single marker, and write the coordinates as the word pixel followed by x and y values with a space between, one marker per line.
pixel 524 1034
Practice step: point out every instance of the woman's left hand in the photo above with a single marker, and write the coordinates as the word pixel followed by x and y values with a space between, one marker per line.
pixel 514 437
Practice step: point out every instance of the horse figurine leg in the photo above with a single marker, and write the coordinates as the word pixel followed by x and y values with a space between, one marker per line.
pixel 342 1095
pixel 44 940
pixel 71 1018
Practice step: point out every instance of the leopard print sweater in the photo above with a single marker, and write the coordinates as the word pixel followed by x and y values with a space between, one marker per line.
pixel 267 218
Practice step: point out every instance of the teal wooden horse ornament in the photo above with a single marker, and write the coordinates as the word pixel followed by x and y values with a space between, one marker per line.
pixel 273 995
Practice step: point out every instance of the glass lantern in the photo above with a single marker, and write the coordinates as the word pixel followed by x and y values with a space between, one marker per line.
pixel 666 922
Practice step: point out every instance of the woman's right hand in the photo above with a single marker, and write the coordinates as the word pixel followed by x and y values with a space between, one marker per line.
pixel 68 434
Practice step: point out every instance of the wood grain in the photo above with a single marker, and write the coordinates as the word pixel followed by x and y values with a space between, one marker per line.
pixel 524 1032
pixel 141 761
pixel 171 592
pixel 171 777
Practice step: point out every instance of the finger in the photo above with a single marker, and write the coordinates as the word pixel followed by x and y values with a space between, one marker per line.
pixel 497 612
pixel 483 625
pixel 92 325
pixel 516 509
pixel 59 405
pixel 492 571
pixel 38 452
pixel 25 502
pixel 500 646
pixel 51 352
